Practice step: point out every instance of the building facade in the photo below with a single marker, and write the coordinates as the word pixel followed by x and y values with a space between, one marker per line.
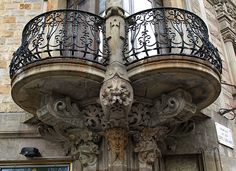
pixel 118 85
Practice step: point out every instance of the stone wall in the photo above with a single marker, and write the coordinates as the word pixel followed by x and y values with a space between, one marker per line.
pixel 204 137
pixel 14 134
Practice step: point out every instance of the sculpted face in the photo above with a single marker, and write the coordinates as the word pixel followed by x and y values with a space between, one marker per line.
pixel 117 140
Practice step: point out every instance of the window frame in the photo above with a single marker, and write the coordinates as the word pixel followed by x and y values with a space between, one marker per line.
pixel 36 163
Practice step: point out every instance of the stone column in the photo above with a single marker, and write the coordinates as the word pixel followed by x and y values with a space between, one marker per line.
pixel 116 94
pixel 231 57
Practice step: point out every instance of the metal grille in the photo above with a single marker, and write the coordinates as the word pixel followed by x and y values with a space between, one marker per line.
pixel 62 33
pixel 168 31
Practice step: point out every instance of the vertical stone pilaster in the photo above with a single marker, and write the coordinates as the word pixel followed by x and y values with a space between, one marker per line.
pixel 116 94
pixel 117 139
pixel 231 57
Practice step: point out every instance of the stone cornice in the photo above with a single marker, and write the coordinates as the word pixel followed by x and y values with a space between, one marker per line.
pixel 226 7
pixel 226 14
pixel 228 35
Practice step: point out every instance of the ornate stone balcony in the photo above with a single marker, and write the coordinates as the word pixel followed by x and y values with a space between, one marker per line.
pixel 62 51
pixel 169 48
pixel 113 82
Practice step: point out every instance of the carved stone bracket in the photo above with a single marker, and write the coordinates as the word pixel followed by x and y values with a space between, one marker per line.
pixel 55 110
pixel 63 122
pixel 116 97
pixel 172 108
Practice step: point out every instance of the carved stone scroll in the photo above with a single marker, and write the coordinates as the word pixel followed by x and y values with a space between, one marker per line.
pixel 55 110
pixel 173 108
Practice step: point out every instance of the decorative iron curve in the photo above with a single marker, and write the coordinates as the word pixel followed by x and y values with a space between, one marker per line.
pixel 167 31
pixel 62 33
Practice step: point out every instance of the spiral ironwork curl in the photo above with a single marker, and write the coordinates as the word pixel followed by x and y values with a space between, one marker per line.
pixel 63 34
pixel 168 31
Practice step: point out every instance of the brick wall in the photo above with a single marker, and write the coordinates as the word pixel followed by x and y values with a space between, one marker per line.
pixel 14 14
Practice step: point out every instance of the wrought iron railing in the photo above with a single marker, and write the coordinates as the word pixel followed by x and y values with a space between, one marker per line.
pixel 62 33
pixel 167 31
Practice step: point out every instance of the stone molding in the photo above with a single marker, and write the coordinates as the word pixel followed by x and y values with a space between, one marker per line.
pixel 226 13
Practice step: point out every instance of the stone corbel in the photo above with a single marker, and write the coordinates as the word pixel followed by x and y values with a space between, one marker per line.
pixel 173 108
pixel 56 110
pixel 116 97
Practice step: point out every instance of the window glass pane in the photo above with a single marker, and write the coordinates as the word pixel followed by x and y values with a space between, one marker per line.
pixel 52 169
pixel 37 168
pixel 141 5
pixel 16 169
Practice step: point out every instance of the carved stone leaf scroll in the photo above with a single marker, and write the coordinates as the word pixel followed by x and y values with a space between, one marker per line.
pixel 173 108
pixel 147 148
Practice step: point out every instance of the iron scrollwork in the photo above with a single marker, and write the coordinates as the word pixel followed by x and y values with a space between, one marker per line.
pixel 62 33
pixel 168 31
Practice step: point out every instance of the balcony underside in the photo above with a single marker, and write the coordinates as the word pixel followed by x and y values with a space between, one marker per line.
pixel 79 79
pixel 155 76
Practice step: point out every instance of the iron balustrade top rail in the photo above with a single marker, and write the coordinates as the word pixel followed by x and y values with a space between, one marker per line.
pixel 62 33
pixel 168 31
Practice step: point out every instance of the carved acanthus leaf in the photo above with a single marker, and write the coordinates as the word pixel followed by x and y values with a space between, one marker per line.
pixel 139 116
pixel 147 148
pixel 94 117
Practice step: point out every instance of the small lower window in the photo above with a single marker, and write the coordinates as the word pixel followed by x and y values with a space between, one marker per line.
pixel 36 168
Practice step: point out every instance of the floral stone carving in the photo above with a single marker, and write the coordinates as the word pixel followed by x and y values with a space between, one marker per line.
pixel 147 148
pixel 116 98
